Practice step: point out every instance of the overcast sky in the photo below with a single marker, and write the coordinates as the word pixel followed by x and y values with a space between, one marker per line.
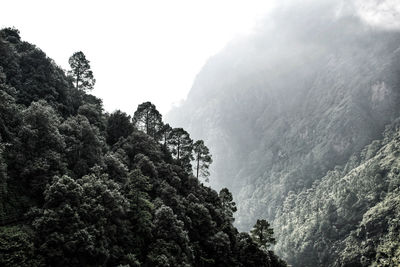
pixel 150 50
pixel 139 50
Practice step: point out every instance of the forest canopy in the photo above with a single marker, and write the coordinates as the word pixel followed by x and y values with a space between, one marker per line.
pixel 82 187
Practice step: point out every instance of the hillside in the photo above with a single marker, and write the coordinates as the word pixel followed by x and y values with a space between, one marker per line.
pixel 350 216
pixel 284 106
pixel 82 187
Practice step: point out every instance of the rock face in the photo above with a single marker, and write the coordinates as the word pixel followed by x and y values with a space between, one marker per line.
pixel 282 107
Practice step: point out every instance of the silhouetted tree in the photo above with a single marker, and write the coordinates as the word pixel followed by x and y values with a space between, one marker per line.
pixel 228 205
pixel 202 158
pixel 181 146
pixel 80 72
pixel 148 119
pixel 263 234
pixel 165 132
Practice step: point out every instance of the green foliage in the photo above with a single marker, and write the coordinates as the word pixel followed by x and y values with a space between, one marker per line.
pixel 80 72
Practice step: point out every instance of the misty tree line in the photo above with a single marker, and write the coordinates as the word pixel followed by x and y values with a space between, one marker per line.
pixel 81 187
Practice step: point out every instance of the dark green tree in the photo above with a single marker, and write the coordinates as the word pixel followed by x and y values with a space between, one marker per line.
pixel 147 119
pixel 81 72
pixel 181 146
pixel 118 125
pixel 263 234
pixel 202 159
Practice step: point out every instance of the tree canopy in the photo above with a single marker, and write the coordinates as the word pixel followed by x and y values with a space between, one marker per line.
pixel 202 159
pixel 81 72
pixel 81 187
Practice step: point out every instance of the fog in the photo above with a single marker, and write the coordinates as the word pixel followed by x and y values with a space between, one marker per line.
pixel 289 111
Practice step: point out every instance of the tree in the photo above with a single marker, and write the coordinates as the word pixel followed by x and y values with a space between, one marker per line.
pixel 172 245
pixel 80 221
pixel 228 206
pixel 203 159
pixel 181 147
pixel 118 125
pixel 39 153
pixel 84 144
pixel 165 132
pixel 263 234
pixel 80 71
pixel 148 119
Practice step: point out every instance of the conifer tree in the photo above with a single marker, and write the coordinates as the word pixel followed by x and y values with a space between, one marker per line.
pixel 181 147
pixel 202 158
pixel 148 119
pixel 165 132
pixel 228 205
pixel 263 234
pixel 80 72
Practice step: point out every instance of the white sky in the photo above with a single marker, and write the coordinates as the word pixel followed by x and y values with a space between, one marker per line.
pixel 139 50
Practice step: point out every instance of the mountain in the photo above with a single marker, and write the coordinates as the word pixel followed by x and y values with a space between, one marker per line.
pixel 82 187
pixel 283 108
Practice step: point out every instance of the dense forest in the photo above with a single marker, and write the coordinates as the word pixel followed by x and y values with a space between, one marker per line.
pixel 302 118
pixel 83 187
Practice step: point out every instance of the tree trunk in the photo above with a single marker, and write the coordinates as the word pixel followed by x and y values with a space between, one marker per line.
pixel 198 164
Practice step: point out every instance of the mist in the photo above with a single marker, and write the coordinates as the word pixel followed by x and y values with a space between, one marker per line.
pixel 288 113
pixel 284 149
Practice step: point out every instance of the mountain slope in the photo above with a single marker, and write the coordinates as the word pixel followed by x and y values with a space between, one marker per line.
pixel 70 196
pixel 349 217
pixel 282 107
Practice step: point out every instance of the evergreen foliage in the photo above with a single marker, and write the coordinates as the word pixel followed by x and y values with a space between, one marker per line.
pixel 80 72
pixel 148 119
pixel 83 188
pixel 202 159
pixel 181 146
pixel 287 112
pixel 263 234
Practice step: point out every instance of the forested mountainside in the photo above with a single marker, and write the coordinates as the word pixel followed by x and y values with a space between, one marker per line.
pixel 288 108
pixel 81 187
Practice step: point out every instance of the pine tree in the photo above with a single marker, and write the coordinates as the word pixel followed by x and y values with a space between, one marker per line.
pixel 228 205
pixel 148 119
pixel 263 234
pixel 203 159
pixel 80 72
pixel 181 147
pixel 165 132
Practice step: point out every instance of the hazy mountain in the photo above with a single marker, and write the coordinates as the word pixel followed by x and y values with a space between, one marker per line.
pixel 280 108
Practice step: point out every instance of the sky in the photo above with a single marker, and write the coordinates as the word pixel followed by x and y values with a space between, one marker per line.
pixel 139 50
